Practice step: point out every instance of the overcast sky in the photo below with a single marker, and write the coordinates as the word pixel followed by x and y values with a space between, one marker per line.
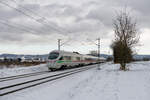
pixel 33 26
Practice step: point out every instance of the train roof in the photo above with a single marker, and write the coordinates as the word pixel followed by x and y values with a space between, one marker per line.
pixel 68 52
pixel 75 53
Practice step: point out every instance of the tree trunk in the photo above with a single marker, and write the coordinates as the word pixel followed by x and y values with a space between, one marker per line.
pixel 123 66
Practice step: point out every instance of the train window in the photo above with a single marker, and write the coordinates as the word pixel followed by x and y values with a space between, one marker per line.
pixel 89 59
pixel 78 58
pixel 53 55
pixel 73 58
pixel 61 58
pixel 86 59
pixel 67 57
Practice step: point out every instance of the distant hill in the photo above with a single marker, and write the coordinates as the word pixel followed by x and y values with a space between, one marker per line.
pixel 138 57
pixel 19 56
pixel 101 55
pixel 40 56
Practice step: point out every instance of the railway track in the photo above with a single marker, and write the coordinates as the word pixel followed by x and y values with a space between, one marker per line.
pixel 10 86
pixel 22 76
pixel 26 75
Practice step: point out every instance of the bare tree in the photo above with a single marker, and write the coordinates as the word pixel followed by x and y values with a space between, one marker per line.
pixel 126 38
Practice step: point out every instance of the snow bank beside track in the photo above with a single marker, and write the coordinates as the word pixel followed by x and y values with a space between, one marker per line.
pixel 6 72
pixel 109 83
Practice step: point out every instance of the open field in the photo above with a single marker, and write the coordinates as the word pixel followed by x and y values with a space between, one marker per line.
pixel 109 83
pixel 15 64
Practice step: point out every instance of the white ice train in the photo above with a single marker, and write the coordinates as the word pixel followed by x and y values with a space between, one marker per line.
pixel 62 59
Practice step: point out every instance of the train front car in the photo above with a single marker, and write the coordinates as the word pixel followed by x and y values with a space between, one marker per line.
pixel 63 59
pixel 52 62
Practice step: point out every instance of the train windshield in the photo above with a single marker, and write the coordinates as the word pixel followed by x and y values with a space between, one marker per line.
pixel 53 55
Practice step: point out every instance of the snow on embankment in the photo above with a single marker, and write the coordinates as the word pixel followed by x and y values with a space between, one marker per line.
pixel 109 83
pixel 6 72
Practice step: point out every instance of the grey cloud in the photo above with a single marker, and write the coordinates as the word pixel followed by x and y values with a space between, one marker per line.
pixel 138 9
pixel 141 5
pixel 102 15
pixel 10 38
pixel 90 19
pixel 60 10
pixel 8 14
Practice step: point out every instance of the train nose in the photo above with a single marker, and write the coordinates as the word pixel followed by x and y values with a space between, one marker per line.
pixel 51 63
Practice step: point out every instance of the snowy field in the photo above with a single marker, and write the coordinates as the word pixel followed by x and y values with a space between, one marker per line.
pixel 6 72
pixel 109 83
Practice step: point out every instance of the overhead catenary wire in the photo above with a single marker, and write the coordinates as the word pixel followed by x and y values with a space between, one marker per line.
pixel 20 26
pixel 14 1
pixel 41 17
pixel 5 22
pixel 29 16
pixel 12 26
pixel 30 30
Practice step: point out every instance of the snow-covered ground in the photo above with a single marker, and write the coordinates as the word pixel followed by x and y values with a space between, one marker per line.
pixel 109 83
pixel 6 72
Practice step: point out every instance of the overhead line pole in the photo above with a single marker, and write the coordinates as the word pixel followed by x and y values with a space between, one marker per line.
pixel 98 53
pixel 59 40
pixel 61 43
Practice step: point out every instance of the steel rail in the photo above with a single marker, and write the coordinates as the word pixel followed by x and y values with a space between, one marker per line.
pixel 22 76
pixel 39 81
